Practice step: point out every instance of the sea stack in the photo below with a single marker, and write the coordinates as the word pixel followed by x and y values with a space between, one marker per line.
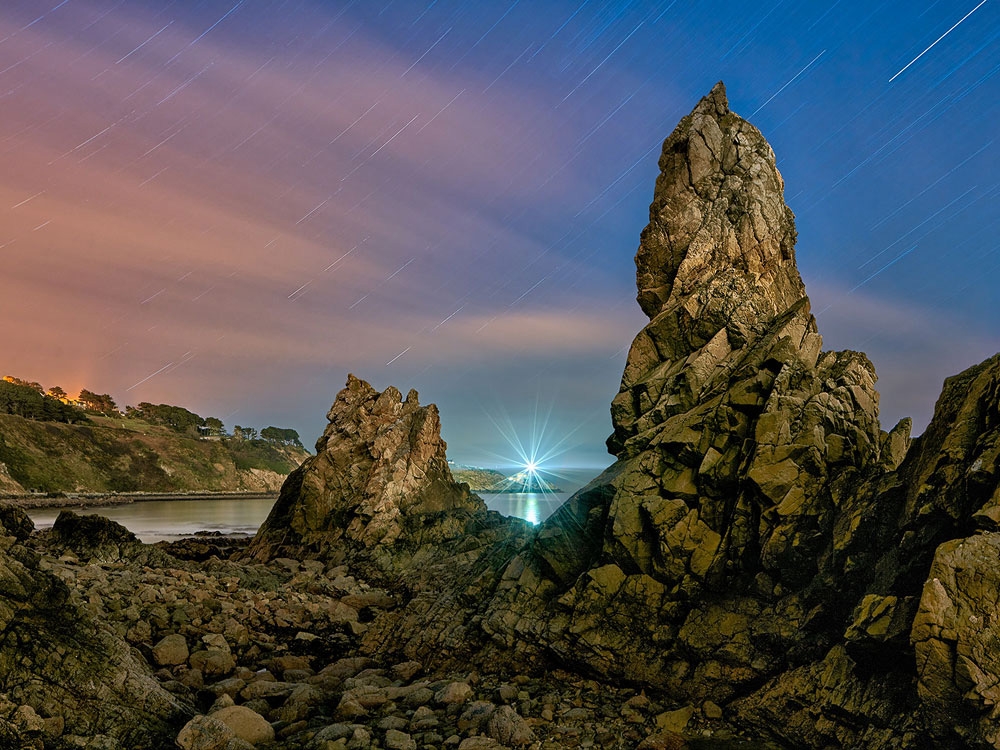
pixel 379 483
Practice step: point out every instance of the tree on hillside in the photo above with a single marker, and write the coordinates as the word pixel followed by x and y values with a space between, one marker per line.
pixel 244 433
pixel 214 426
pixel 175 417
pixel 26 401
pixel 281 436
pixel 101 403
pixel 26 383
pixel 57 392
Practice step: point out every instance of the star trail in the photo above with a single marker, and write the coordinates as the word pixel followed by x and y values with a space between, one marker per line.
pixel 231 205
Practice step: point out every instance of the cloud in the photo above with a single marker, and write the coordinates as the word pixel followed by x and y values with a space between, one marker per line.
pixel 914 346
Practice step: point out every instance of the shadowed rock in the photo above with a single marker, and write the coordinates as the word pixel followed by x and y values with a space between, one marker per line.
pixel 67 666
pixel 94 538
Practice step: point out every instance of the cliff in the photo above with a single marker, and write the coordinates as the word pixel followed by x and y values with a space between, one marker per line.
pixel 105 455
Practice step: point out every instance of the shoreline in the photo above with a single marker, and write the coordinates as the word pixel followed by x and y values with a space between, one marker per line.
pixel 108 499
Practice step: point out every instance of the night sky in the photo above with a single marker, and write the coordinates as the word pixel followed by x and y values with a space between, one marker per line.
pixel 231 205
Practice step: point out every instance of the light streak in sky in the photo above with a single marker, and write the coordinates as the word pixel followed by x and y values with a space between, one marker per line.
pixel 448 318
pixel 150 377
pixel 789 83
pixel 918 226
pixel 892 262
pixel 981 4
pixel 44 15
pixel 154 176
pixel 398 356
pixel 601 63
pixel 151 38
pixel 950 171
pixel 392 138
pixel 202 35
pixel 393 274
pixel 415 62
pixel 18 205
pixel 296 294
pixel 421 128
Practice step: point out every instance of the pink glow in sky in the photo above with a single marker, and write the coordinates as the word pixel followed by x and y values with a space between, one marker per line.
pixel 231 205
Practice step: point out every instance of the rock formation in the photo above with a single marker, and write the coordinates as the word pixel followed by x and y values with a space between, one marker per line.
pixel 379 485
pixel 62 672
pixel 760 543
pixel 737 439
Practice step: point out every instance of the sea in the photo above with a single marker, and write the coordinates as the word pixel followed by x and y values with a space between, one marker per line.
pixel 165 520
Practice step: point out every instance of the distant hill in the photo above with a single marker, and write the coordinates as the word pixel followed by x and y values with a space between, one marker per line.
pixel 103 454
pixel 479 480
pixel 492 481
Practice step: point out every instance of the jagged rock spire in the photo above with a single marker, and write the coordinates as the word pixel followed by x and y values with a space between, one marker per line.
pixel 717 211
pixel 715 267
pixel 735 436
pixel 380 476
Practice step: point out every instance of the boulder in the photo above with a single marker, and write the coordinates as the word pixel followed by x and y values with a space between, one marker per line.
pixel 208 733
pixel 508 727
pixel 170 651
pixel 94 538
pixel 16 522
pixel 248 725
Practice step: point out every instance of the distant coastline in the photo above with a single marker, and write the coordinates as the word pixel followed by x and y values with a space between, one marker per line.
pixel 106 499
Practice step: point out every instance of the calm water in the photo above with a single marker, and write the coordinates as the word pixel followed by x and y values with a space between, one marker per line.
pixel 157 520
pixel 537 506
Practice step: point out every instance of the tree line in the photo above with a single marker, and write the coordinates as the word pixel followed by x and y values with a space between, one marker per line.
pixel 29 399
pixel 26 400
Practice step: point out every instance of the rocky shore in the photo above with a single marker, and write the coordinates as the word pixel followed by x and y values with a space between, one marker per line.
pixel 762 564
pixel 271 655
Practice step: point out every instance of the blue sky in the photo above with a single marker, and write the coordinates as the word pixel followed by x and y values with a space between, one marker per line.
pixel 231 205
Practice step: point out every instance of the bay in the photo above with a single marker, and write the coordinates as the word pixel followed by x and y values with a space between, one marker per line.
pixel 165 520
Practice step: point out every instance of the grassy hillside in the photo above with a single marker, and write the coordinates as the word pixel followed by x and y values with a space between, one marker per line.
pixel 479 480
pixel 115 455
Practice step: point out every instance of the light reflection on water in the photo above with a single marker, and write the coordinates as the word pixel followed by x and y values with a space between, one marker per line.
pixel 158 520
pixel 535 507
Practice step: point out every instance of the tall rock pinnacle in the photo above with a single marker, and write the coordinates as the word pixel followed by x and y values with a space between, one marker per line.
pixel 716 263
pixel 736 436
pixel 717 213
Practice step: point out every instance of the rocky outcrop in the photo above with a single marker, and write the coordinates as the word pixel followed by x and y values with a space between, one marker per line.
pixel 955 492
pixel 94 538
pixel 63 673
pixel 379 486
pixel 738 441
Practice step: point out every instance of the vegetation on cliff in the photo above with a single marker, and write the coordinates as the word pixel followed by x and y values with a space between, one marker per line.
pixel 50 443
